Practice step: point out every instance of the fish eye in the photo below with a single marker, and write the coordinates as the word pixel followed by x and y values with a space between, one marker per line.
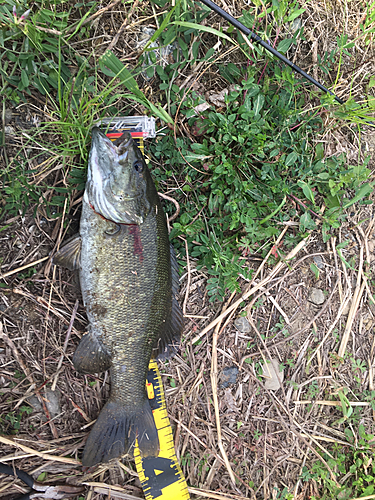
pixel 138 165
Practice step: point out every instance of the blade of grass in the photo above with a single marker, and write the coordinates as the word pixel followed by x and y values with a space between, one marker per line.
pixel 117 70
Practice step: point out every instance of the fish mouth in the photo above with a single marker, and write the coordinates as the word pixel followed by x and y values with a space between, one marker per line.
pixel 120 147
pixel 113 186
pixel 98 137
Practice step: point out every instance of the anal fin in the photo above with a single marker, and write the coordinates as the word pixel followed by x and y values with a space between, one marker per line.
pixel 91 356
pixel 69 255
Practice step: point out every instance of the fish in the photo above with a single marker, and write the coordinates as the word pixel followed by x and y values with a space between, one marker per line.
pixel 129 280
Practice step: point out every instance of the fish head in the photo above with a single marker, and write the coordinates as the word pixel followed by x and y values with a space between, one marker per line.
pixel 117 179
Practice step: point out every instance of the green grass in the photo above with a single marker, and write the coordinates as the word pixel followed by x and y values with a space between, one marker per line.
pixel 253 166
pixel 353 466
pixel 10 423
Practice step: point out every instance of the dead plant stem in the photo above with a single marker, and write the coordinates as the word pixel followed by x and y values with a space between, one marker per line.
pixel 214 386
pixel 68 333
pixel 252 290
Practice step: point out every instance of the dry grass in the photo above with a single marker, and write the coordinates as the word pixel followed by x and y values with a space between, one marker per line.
pixel 224 438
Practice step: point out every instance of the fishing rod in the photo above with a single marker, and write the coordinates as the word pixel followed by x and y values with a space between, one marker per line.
pixel 267 46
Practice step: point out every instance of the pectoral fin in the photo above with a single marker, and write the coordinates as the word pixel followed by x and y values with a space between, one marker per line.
pixel 69 255
pixel 91 356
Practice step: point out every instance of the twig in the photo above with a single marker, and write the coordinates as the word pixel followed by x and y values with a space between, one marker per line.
pixel 265 477
pixel 45 455
pixel 111 491
pixel 253 325
pixel 44 303
pixel 231 314
pixel 16 354
pixel 311 322
pixel 353 309
pixel 68 333
pixel 189 431
pixel 124 24
pixel 369 228
pixel 97 14
pixel 14 271
pixel 47 30
pixel 213 494
pixel 188 280
pixel 342 308
pixel 269 254
pixel 176 204
pixel 216 402
pixel 369 497
pixel 364 277
pixel 329 403
pixel 252 290
pixel 295 334
pixel 333 241
pixel 278 405
pixel 29 377
pixel 281 311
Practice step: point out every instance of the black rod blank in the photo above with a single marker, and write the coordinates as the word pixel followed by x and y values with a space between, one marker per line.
pixel 266 45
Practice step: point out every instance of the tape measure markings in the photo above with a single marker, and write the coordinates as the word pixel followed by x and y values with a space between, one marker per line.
pixel 161 477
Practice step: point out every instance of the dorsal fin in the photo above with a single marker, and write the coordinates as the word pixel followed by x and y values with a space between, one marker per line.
pixel 168 343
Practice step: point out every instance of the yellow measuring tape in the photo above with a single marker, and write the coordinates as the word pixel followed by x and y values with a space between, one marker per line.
pixel 161 477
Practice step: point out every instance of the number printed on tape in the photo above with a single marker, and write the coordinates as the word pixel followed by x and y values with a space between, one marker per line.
pixel 161 476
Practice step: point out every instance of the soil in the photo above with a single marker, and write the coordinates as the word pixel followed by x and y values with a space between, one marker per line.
pixel 268 435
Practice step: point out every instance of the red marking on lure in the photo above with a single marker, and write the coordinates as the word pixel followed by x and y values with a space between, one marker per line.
pixel 138 248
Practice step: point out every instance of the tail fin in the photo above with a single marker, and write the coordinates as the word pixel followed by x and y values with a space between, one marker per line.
pixel 116 430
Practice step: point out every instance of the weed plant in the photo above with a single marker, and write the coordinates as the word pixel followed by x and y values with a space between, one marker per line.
pixel 353 466
pixel 255 167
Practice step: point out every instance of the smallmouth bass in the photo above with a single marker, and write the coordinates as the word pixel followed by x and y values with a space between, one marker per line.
pixel 128 276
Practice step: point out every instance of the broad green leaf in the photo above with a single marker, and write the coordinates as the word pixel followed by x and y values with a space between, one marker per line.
pixel 307 191
pixel 291 159
pixel 284 45
pixel 365 190
pixel 324 176
pixel 306 222
pixel 294 15
pixel 195 157
pixel 24 78
pixel 319 151
pixel 314 268
pixel 258 104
